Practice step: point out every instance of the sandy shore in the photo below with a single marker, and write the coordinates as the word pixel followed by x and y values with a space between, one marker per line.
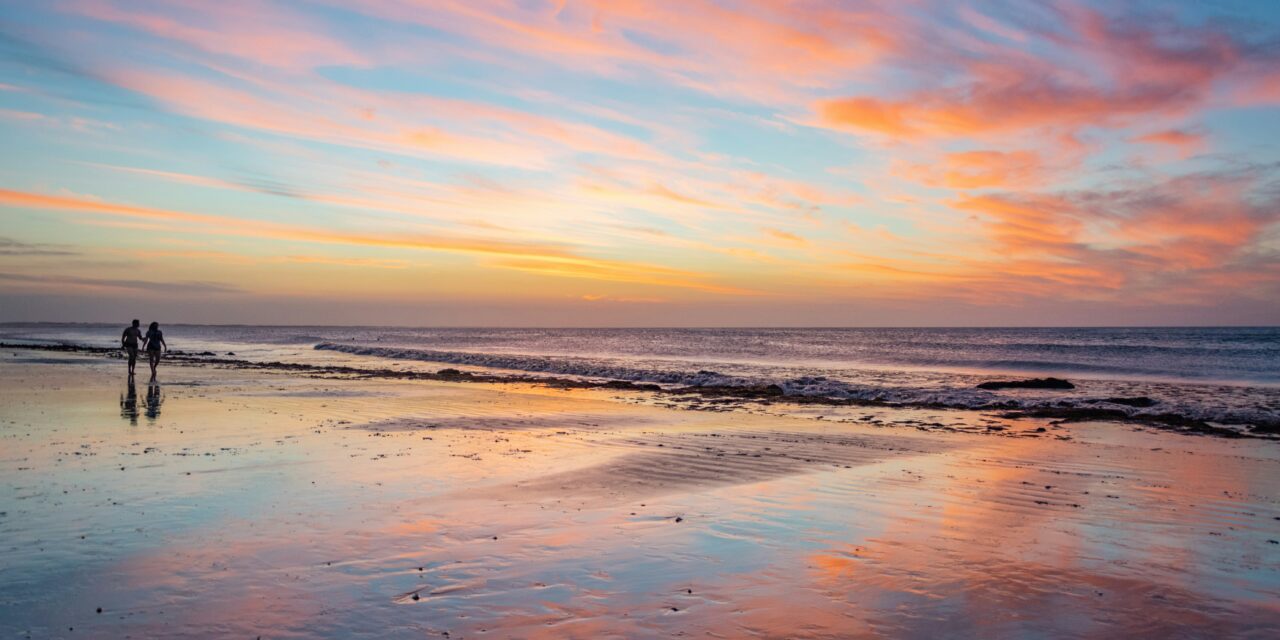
pixel 244 503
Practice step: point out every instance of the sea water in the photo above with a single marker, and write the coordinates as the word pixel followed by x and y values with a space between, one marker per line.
pixel 1228 375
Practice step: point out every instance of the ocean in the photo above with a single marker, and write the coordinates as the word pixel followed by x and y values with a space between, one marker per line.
pixel 1224 375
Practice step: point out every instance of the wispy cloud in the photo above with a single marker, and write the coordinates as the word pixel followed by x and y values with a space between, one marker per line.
pixel 45 281
pixel 11 247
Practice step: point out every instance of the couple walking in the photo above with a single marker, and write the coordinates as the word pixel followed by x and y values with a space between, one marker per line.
pixel 152 342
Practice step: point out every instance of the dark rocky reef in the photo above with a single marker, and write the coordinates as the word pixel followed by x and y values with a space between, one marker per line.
pixel 1140 402
pixel 1034 383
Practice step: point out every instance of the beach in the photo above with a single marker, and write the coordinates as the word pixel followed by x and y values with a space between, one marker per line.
pixel 241 502
pixel 588 320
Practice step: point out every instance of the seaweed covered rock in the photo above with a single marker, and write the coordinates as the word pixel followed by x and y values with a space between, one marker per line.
pixel 1140 402
pixel 1034 383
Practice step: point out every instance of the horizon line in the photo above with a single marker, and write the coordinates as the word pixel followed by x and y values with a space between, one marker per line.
pixel 641 327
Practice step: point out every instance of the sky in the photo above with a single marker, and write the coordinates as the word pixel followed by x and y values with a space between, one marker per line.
pixel 625 163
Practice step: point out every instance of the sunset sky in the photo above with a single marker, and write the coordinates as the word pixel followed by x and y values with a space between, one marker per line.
pixel 466 162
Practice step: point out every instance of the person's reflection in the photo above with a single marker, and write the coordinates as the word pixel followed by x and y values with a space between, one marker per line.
pixel 153 401
pixel 129 403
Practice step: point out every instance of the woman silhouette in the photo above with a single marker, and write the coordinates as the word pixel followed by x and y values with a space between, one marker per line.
pixel 153 343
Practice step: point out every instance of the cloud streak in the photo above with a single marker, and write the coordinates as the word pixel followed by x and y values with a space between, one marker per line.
pixel 186 288
pixel 13 248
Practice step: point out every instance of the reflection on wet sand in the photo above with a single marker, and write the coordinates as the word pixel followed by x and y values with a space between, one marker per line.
pixel 129 403
pixel 153 401
pixel 297 507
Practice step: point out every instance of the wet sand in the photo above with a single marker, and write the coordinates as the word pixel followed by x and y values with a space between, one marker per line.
pixel 245 503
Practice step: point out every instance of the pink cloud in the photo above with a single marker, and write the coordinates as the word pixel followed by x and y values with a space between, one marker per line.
pixel 763 50
pixel 257 31
pixel 330 113
pixel 1195 230
pixel 1186 143
pixel 1105 73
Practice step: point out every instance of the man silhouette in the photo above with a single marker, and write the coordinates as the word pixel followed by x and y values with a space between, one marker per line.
pixel 129 340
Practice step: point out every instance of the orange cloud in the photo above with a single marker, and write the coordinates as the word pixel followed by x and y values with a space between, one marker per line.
pixel 980 170
pixel 1197 221
pixel 1192 232
pixel 1027 102
pixel 785 237
pixel 1030 223
pixel 664 192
